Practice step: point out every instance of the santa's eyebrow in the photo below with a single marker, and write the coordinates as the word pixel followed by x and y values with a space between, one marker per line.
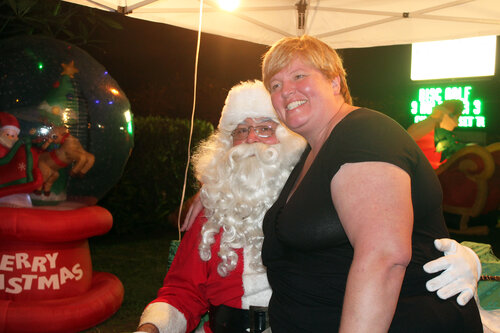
pixel 261 120
pixel 264 120
pixel 258 121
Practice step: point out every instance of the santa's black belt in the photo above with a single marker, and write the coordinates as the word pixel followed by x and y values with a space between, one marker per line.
pixel 225 319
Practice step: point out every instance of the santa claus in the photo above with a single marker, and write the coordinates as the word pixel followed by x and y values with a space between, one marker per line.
pixel 218 267
pixel 19 174
pixel 9 132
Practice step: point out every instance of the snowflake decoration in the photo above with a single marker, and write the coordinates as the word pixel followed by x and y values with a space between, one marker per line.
pixel 21 167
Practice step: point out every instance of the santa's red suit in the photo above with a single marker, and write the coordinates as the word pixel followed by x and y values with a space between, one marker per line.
pixel 192 285
pixel 19 172
pixel 3 150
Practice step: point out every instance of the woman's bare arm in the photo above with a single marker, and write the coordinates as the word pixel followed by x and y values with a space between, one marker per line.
pixel 373 200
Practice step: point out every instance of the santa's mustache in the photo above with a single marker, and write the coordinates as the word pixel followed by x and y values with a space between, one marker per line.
pixel 264 153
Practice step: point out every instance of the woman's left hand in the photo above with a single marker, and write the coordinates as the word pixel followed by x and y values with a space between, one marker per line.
pixel 194 209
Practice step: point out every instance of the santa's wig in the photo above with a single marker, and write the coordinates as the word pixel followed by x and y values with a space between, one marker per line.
pixel 240 183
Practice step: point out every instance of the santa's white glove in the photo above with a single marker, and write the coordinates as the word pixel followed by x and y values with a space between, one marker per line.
pixel 462 270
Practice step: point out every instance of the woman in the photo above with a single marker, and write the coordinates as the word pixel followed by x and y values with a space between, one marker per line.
pixel 345 242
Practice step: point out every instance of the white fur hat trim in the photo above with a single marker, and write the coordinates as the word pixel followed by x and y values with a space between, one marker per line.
pixel 249 99
pixel 12 128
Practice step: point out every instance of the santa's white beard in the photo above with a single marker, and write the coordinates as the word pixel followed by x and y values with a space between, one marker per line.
pixel 237 192
pixel 248 183
pixel 251 171
pixel 7 142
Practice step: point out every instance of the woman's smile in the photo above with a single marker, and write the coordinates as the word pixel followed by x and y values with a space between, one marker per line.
pixel 295 104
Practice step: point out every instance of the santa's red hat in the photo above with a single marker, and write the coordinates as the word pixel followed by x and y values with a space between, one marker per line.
pixel 8 121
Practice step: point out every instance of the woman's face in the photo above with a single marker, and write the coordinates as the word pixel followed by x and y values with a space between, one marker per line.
pixel 301 94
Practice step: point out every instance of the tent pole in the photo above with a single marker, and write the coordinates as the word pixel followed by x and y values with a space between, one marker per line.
pixel 301 16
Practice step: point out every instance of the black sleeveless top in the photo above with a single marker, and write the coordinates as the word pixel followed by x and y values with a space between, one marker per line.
pixel 308 255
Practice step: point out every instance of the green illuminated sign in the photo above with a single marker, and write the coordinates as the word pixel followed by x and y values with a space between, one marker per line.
pixel 472 116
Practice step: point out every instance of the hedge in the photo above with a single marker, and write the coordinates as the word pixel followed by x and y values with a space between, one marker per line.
pixel 151 186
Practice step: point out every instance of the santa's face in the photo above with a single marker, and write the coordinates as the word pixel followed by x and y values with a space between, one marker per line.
pixel 449 122
pixel 253 130
pixel 8 137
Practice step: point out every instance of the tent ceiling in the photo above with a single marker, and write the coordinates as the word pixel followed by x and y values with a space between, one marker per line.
pixel 341 23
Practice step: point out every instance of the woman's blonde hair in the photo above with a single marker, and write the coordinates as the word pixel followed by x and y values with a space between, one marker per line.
pixel 310 49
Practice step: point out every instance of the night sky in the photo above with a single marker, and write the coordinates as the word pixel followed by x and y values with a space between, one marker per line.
pixel 154 64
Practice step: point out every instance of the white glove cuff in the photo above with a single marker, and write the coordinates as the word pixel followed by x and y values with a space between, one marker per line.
pixel 478 262
pixel 165 317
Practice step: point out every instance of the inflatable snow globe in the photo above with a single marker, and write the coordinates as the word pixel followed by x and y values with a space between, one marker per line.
pixel 66 132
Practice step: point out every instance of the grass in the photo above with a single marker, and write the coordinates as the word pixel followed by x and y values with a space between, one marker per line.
pixel 140 262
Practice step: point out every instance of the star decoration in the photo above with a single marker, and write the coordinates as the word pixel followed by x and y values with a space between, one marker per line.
pixel 69 69
pixel 21 166
pixel 56 110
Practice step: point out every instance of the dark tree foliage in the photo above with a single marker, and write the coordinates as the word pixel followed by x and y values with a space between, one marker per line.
pixel 151 186
pixel 53 18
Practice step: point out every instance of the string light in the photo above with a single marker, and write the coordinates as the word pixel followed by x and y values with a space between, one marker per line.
pixel 128 119
pixel 229 5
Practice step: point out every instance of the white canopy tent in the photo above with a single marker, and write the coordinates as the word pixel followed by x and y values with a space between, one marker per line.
pixel 340 23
